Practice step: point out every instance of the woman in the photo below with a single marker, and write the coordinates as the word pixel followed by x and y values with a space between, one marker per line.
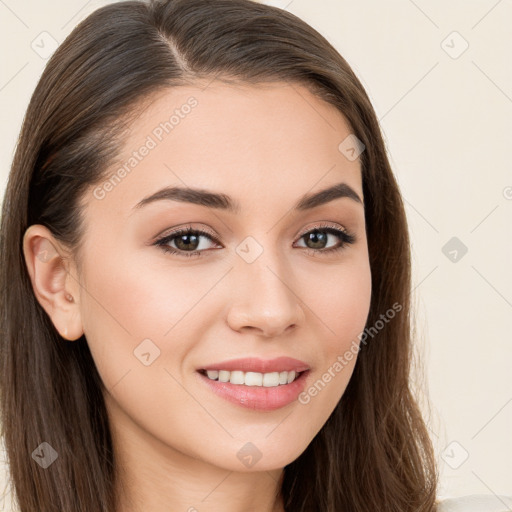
pixel 267 369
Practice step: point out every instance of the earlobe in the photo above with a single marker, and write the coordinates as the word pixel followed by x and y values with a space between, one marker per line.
pixel 55 287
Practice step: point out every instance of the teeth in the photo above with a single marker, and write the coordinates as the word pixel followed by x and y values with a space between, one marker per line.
pixel 267 380
pixel 224 376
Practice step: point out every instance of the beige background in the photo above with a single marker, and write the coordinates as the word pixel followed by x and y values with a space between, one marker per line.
pixel 446 112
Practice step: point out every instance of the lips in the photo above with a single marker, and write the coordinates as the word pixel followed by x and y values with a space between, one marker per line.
pixel 257 398
pixel 252 364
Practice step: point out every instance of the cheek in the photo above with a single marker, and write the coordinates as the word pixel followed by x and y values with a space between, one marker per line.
pixel 341 309
pixel 127 302
pixel 341 302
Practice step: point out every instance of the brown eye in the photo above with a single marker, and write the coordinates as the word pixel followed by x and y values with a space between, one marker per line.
pixel 186 242
pixel 318 238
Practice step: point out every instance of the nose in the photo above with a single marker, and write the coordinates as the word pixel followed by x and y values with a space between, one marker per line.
pixel 264 299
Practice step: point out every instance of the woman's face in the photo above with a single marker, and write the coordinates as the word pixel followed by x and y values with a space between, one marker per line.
pixel 253 287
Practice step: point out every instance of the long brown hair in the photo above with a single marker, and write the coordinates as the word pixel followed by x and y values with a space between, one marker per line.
pixel 374 451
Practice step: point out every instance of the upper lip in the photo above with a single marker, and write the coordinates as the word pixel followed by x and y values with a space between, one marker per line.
pixel 252 364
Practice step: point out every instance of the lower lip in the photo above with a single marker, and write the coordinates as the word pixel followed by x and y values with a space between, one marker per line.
pixel 258 397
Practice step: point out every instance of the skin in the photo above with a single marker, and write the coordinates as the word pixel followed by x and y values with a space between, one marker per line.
pixel 265 146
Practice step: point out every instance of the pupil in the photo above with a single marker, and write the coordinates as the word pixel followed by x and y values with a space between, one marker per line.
pixel 315 236
pixel 187 243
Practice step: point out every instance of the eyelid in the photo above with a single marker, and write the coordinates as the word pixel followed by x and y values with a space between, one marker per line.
pixel 187 227
pixel 322 225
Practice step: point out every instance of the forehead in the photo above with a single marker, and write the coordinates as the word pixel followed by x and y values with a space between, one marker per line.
pixel 256 143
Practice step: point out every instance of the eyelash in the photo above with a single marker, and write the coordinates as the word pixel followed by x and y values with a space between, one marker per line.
pixel 346 239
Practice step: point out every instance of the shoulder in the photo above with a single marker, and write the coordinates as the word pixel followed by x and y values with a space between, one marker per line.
pixel 476 503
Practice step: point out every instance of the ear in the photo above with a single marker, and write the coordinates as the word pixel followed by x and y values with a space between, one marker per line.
pixel 54 280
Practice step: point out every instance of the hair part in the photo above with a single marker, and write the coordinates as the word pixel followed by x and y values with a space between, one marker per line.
pixel 374 452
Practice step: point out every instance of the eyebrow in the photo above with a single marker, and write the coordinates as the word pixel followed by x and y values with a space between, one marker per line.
pixel 224 202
